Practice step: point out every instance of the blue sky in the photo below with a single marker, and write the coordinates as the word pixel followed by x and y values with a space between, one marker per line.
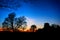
pixel 41 11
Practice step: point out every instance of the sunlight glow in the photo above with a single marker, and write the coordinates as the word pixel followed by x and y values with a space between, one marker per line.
pixel 30 22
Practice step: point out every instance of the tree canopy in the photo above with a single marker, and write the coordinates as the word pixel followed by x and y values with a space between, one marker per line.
pixel 11 21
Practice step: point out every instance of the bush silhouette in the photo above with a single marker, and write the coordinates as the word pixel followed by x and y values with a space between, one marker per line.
pixel 46 25
pixel 33 27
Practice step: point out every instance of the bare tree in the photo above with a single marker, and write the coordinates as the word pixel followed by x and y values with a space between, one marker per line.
pixel 12 22
pixel 21 22
pixel 9 21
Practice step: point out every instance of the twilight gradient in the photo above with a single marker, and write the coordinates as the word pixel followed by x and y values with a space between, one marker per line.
pixel 40 11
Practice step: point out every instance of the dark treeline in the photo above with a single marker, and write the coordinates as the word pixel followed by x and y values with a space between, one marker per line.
pixel 13 23
pixel 50 28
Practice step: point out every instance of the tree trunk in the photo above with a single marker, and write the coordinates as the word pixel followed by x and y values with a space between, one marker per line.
pixel 12 26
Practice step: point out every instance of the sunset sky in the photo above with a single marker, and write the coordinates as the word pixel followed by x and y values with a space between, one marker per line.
pixel 37 12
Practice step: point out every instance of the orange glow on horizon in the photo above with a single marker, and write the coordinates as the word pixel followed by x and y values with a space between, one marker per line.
pixel 1 29
pixel 26 30
pixel 20 30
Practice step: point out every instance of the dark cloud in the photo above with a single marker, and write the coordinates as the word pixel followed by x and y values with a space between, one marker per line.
pixel 31 1
pixel 41 1
pixel 13 4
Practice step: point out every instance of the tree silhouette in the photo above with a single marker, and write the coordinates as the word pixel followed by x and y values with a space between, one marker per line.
pixel 11 18
pixel 4 24
pixel 9 21
pixel 47 27
pixel 21 22
pixel 12 22
pixel 33 27
pixel 55 27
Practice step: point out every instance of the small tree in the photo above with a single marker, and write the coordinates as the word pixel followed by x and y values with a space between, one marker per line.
pixel 33 27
